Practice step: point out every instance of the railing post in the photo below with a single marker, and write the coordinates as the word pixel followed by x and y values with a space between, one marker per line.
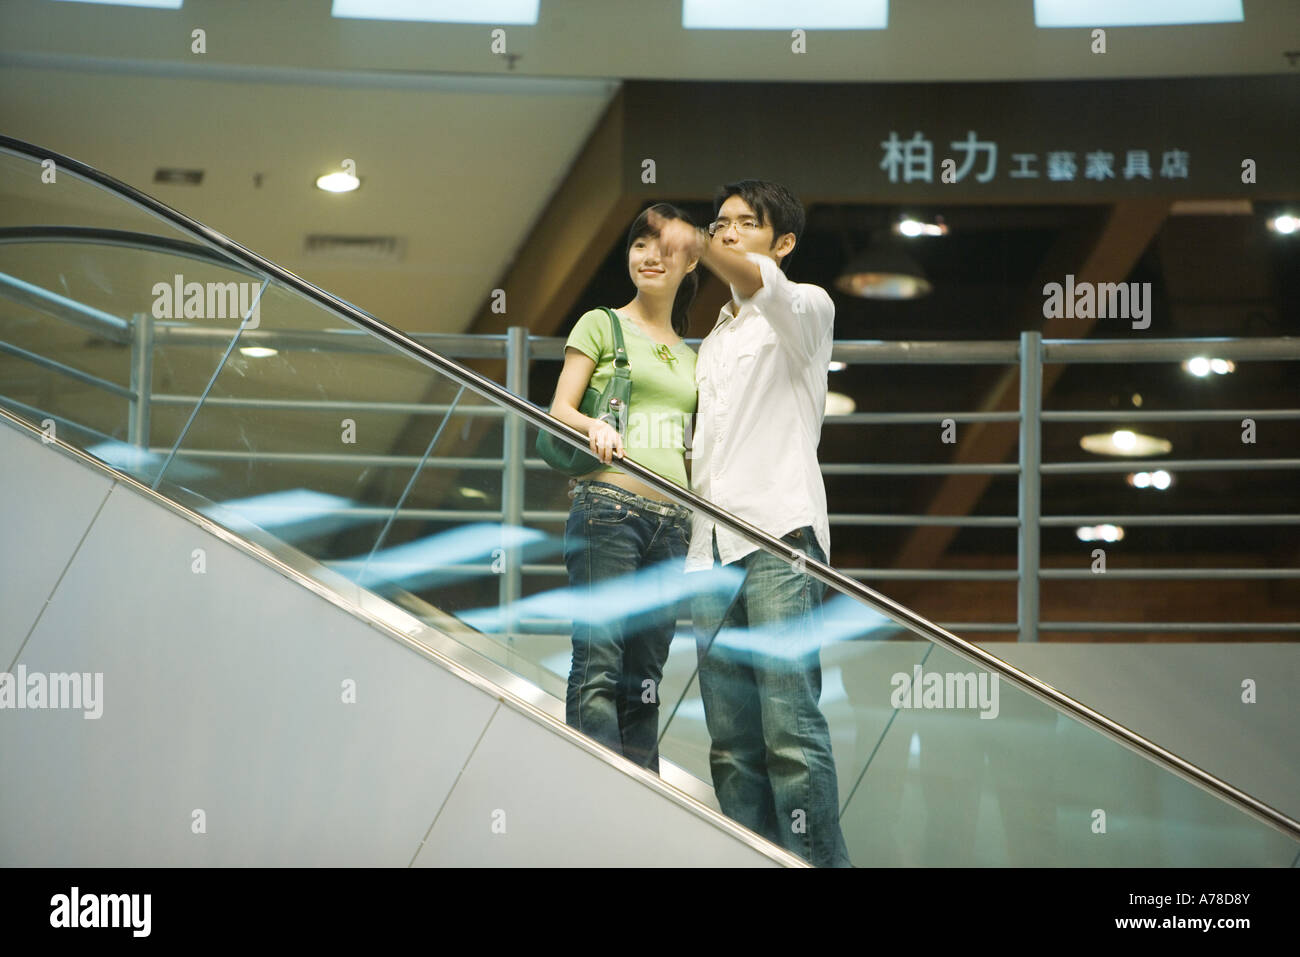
pixel 513 476
pixel 141 379
pixel 1031 456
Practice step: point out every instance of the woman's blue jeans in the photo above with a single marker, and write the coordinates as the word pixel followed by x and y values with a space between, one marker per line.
pixel 624 553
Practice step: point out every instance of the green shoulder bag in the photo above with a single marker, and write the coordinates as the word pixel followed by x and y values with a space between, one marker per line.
pixel 608 406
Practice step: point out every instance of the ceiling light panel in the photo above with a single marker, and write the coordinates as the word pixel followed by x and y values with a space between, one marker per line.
pixel 783 15
pixel 499 12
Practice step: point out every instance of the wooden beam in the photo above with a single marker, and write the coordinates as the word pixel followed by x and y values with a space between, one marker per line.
pixel 567 245
pixel 1104 254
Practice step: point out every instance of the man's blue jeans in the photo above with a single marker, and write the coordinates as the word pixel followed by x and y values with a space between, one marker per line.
pixel 760 680
pixel 619 654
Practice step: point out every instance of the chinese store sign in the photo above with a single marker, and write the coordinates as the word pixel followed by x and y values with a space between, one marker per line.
pixel 913 160
pixel 1073 141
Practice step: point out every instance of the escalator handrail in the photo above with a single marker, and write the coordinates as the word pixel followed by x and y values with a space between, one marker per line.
pixel 535 416
pixel 97 235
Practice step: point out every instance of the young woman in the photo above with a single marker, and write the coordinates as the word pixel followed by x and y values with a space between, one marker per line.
pixel 624 541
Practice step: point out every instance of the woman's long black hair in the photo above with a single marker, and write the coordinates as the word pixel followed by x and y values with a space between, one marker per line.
pixel 690 282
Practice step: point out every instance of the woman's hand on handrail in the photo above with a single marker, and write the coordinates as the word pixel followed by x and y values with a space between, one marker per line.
pixel 605 441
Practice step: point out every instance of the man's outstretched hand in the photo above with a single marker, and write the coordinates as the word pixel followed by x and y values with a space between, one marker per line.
pixel 676 236
pixel 728 263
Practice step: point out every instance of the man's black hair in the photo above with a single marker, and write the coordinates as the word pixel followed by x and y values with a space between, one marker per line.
pixel 774 204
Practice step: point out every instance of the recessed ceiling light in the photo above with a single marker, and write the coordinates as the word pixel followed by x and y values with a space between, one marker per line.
pixel 1125 442
pixel 1099 533
pixel 1202 366
pixel 1285 224
pixel 1158 480
pixel 257 352
pixel 338 182
pixel 839 404
pixel 914 227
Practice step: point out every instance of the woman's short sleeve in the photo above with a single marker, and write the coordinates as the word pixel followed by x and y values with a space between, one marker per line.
pixel 591 335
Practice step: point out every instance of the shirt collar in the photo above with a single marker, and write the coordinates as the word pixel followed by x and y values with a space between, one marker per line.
pixel 725 314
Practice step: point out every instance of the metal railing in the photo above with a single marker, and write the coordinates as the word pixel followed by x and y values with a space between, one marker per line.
pixel 519 350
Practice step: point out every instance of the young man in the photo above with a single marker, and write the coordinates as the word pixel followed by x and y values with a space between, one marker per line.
pixel 761 374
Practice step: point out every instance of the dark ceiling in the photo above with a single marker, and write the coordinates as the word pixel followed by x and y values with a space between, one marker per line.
pixel 1211 275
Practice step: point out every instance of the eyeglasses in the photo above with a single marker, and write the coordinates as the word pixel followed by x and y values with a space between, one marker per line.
pixel 746 225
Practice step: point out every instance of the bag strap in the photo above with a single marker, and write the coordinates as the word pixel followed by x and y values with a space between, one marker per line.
pixel 620 351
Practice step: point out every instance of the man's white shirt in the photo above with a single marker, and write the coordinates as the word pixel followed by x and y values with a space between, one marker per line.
pixel 761 375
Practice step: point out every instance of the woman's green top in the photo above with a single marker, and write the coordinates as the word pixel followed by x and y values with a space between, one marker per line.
pixel 663 391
